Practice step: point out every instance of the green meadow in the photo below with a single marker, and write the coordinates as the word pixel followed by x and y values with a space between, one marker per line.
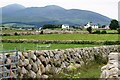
pixel 33 46
pixel 89 71
pixel 96 37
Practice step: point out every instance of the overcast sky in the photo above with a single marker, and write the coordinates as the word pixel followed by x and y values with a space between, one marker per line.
pixel 108 8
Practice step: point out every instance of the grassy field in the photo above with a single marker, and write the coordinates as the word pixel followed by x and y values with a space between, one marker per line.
pixel 32 46
pixel 89 71
pixel 108 31
pixel 96 37
pixel 111 31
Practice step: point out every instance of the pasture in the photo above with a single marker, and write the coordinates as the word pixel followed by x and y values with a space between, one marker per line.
pixel 33 46
pixel 88 71
pixel 90 37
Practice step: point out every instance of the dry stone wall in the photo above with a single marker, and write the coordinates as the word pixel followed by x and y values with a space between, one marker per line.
pixel 60 41
pixel 44 63
pixel 112 69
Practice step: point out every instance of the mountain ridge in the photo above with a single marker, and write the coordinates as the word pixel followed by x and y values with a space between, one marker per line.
pixel 53 14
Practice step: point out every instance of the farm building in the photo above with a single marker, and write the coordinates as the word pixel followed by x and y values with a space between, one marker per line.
pixel 89 24
pixel 65 26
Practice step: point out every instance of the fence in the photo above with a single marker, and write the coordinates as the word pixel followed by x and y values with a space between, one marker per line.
pixel 8 64
pixel 43 46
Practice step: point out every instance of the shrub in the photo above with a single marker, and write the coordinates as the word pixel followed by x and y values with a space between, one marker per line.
pixel 104 32
pixel 99 59
pixel 118 30
pixel 6 34
pixel 41 32
pixel 97 32
pixel 89 29
pixel 16 34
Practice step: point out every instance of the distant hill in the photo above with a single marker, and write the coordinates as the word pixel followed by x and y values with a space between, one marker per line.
pixel 51 14
pixel 12 8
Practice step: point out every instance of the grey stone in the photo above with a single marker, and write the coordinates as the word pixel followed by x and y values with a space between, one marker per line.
pixel 39 73
pixel 26 62
pixel 25 54
pixel 44 76
pixel 47 68
pixel 33 56
pixel 32 74
pixel 28 67
pixel 34 67
pixel 24 71
pixel 42 68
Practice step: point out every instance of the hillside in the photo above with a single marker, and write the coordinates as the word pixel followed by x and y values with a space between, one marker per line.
pixel 51 14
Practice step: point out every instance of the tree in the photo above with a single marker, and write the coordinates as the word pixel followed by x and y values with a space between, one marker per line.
pixel 103 26
pixel 50 26
pixel 89 29
pixel 114 24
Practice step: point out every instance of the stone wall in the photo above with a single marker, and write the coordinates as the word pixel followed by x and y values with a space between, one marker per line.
pixel 46 31
pixel 44 63
pixel 112 69
pixel 117 42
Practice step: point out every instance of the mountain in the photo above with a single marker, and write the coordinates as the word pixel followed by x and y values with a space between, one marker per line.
pixel 12 8
pixel 51 14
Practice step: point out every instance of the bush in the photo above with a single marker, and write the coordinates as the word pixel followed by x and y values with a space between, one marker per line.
pixel 41 32
pixel 16 34
pixel 6 34
pixel 103 32
pixel 89 29
pixel 100 59
pixel 118 30
pixel 96 32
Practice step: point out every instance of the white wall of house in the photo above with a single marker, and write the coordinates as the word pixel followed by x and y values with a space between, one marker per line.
pixel 107 27
pixel 90 25
pixel 95 27
pixel 65 26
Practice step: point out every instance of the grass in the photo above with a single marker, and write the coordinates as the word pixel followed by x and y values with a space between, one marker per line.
pixel 109 31
pixel 33 46
pixel 112 31
pixel 96 37
pixel 92 70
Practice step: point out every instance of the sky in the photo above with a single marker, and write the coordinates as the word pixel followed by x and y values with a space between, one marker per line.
pixel 108 8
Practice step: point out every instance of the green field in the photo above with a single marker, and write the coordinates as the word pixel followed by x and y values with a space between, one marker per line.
pixel 89 71
pixel 108 31
pixel 90 37
pixel 32 46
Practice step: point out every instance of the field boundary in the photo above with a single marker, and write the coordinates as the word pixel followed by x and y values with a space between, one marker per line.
pixel 117 42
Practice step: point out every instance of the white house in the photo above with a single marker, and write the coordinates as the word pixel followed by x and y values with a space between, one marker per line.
pixel 65 26
pixel 91 25
pixel 107 27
